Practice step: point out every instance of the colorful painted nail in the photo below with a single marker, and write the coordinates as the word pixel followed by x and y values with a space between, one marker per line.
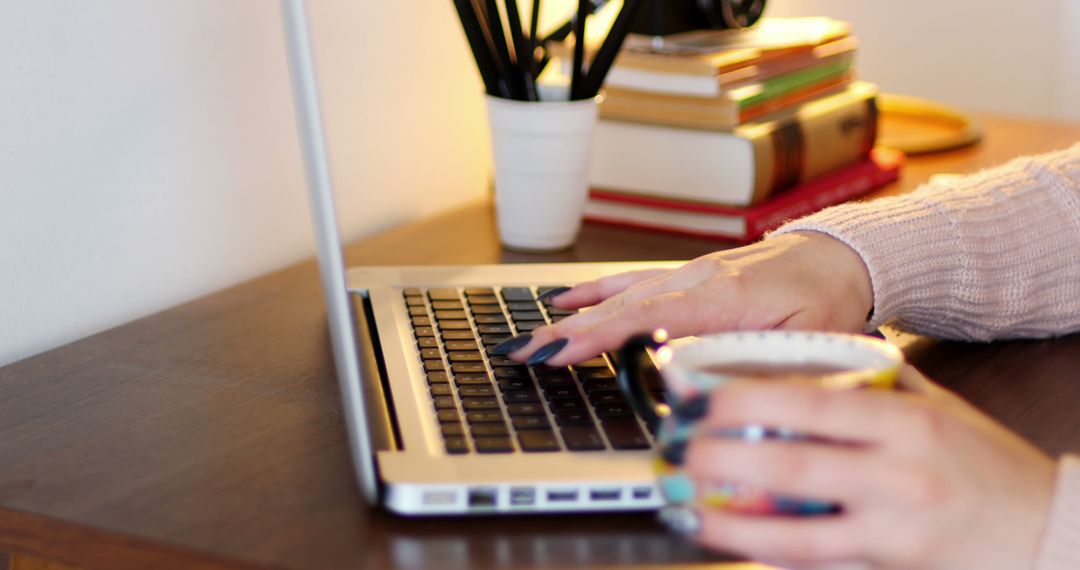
pixel 552 293
pixel 511 344
pixel 681 519
pixel 545 352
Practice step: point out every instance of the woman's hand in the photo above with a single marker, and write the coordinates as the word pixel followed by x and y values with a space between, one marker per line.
pixel 928 481
pixel 802 280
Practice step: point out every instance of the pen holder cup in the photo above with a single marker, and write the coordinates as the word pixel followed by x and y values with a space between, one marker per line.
pixel 541 161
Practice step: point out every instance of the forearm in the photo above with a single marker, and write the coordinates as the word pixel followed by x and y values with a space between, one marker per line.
pixel 991 255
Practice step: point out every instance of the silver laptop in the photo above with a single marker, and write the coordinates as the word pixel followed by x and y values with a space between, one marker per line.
pixel 437 425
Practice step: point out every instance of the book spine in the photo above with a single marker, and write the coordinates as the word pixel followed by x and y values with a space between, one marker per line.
pixel 811 142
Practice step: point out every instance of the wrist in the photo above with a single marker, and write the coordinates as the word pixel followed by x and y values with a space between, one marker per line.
pixel 842 268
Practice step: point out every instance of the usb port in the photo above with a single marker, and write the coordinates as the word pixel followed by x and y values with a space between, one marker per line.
pixel 483 497
pixel 642 493
pixel 604 494
pixel 522 496
pixel 562 496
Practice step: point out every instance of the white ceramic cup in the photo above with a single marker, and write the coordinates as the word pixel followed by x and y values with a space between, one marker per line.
pixel 541 159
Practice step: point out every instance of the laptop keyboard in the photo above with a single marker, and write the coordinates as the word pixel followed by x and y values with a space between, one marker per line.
pixel 491 404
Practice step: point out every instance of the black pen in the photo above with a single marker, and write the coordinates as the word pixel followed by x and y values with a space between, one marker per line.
pixel 534 23
pixel 521 50
pixel 479 48
pixel 576 77
pixel 482 15
pixel 502 51
pixel 601 64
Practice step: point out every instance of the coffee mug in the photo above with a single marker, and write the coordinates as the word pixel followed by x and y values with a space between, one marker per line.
pixel 689 369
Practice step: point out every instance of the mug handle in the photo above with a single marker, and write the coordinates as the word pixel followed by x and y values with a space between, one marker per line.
pixel 631 379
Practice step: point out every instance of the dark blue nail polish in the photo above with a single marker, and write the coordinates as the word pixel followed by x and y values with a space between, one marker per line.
pixel 511 344
pixel 552 293
pixel 876 333
pixel 545 352
pixel 674 453
pixel 691 409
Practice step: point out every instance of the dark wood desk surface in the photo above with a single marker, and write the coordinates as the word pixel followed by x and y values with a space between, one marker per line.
pixel 209 435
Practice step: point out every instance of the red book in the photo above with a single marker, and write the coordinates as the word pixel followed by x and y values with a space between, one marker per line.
pixel 745 224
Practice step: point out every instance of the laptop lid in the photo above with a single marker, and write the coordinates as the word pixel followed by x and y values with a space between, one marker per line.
pixel 328 241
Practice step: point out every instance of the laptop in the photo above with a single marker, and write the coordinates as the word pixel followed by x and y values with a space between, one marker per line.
pixel 437 425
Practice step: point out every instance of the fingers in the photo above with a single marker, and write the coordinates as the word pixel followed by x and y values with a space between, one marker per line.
pixel 675 311
pixel 788 541
pixel 590 293
pixel 835 474
pixel 868 416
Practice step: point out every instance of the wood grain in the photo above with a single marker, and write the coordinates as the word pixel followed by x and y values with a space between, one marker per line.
pixel 210 435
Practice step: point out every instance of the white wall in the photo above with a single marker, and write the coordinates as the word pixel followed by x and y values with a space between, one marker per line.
pixel 1012 57
pixel 148 153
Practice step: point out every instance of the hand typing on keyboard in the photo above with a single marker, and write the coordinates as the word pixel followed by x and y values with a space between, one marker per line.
pixel 795 281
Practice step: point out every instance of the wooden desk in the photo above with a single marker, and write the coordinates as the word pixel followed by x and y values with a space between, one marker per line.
pixel 210 436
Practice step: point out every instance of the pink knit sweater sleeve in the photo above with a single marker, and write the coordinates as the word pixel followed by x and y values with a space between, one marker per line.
pixel 991 255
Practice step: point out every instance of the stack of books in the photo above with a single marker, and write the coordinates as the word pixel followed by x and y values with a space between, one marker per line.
pixel 727 134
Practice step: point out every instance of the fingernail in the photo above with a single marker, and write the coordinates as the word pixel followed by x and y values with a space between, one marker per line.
pixel 511 344
pixel 545 352
pixel 681 519
pixel 691 409
pixel 552 293
pixel 674 452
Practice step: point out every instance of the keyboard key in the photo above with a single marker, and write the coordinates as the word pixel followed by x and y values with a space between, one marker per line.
pixel 465 356
pixel 448 416
pixel 461 345
pixel 427 342
pixel 414 301
pixel 471 404
pixel 509 384
pixel 451 305
pixel 433 365
pixel 582 438
pixel 527 315
pixel 559 312
pixel 421 332
pixel 504 361
pixel 443 294
pixel 552 382
pixel 494 444
pixel 521 397
pixel 573 419
pixel 607 397
pixel 493 339
pixel 529 326
pixel 482 430
pixel 444 403
pixel 483 417
pixel 511 294
pixel 522 306
pixel 420 311
pixel 525 409
pixel 468 368
pixel 480 300
pixel 456 445
pixel 490 319
pixel 452 429
pixel 591 386
pixel 471 380
pixel 575 404
pixel 494 329
pixel 478 291
pixel 454 325
pixel 624 433
pixel 545 370
pixel 438 377
pixel 440 390
pixel 487 310
pixel 530 422
pixel 561 392
pixel 614 411
pixel 596 374
pixel 597 362
pixel 476 391
pixel 412 291
pixel 502 372
pixel 449 335
pixel 538 440
pixel 450 314
pixel 430 354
